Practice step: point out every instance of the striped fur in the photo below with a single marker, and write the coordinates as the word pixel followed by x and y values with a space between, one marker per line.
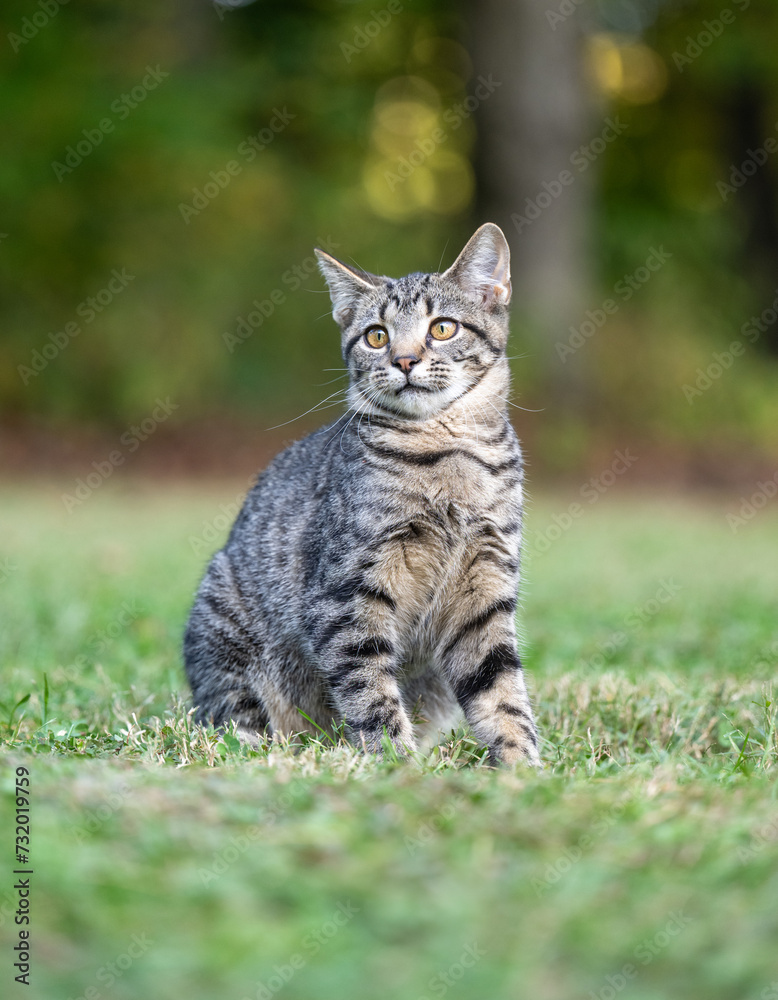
pixel 372 574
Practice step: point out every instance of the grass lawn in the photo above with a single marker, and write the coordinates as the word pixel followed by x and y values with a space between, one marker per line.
pixel 170 862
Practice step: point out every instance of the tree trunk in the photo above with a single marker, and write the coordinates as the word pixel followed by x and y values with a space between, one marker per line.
pixel 527 132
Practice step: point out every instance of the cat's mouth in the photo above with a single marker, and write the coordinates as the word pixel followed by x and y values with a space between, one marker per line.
pixel 412 387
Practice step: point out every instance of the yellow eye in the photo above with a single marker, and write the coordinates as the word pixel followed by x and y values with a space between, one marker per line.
pixel 443 329
pixel 376 336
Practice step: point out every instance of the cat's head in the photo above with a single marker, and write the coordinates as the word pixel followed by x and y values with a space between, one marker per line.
pixel 414 345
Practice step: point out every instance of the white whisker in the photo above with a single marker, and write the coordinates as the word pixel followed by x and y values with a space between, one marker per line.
pixel 312 409
pixel 526 409
pixel 499 414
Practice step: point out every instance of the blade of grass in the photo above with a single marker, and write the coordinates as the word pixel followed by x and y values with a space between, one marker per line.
pixel 316 724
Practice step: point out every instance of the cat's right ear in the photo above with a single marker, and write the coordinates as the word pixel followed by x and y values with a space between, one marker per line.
pixel 347 286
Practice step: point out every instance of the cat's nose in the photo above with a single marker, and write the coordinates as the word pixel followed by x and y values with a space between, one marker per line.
pixel 406 363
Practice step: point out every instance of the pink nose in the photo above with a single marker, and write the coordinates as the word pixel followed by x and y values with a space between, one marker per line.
pixel 406 363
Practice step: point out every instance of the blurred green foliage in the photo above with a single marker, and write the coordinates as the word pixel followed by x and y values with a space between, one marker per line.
pixel 230 73
pixel 333 105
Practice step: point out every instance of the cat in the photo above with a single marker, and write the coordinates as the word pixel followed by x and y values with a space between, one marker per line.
pixel 372 574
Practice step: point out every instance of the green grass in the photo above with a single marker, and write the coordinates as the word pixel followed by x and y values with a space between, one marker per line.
pixel 642 862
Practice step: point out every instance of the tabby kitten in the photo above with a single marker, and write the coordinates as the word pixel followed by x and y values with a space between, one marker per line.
pixel 372 574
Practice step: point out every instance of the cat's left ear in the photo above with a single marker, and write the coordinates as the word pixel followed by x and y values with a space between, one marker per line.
pixel 483 269
pixel 347 286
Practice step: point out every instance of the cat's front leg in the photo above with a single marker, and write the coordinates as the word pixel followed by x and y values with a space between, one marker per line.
pixel 360 659
pixel 479 656
pixel 494 698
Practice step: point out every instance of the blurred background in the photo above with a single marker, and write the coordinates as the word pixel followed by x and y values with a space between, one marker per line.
pixel 166 170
